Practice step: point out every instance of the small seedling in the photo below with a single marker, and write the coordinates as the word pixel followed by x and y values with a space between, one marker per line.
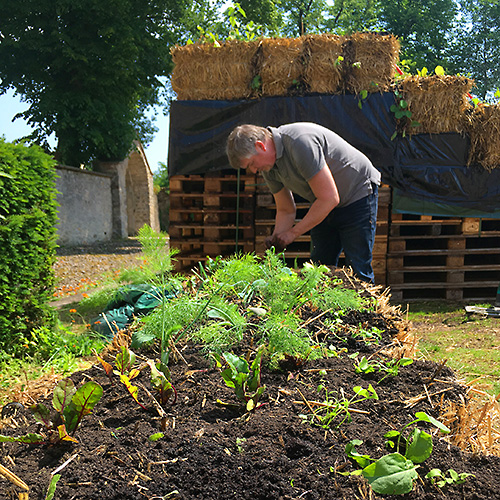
pixel 440 479
pixel 71 406
pixel 124 363
pixel 390 367
pixel 243 377
pixel 333 407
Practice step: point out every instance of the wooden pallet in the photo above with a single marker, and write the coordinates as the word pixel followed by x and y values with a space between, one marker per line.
pixel 432 258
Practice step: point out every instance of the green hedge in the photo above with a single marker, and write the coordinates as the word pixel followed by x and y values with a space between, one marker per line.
pixel 27 242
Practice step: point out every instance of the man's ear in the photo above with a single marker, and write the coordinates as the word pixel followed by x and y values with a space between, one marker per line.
pixel 260 146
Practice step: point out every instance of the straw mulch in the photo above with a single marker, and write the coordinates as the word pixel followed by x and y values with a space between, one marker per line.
pixel 438 103
pixel 370 61
pixel 485 136
pixel 475 423
pixel 207 71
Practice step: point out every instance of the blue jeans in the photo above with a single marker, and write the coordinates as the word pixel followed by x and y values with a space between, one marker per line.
pixel 352 229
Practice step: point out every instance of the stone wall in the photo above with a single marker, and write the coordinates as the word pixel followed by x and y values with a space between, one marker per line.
pixel 110 204
pixel 84 211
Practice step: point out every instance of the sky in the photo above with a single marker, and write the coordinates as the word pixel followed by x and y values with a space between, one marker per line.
pixel 10 105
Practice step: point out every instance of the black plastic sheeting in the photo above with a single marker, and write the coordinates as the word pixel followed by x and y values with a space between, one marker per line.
pixel 423 167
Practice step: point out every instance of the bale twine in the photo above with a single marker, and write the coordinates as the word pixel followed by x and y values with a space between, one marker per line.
pixel 438 103
pixel 485 136
pixel 323 68
pixel 370 62
pixel 282 65
pixel 206 71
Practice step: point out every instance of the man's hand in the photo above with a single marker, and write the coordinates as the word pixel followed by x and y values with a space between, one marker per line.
pixel 279 241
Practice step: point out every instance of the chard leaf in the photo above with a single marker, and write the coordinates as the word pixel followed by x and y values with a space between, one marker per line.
pixel 125 360
pixel 392 474
pixel 82 403
pixel 63 393
pixel 41 414
pixel 63 434
pixel 108 368
pixel 132 389
pixel 26 439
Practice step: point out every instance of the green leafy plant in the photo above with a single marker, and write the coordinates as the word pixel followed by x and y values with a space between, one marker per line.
pixel 390 367
pixel 441 480
pixel 71 406
pixel 328 411
pixel 243 376
pixel 402 113
pixel 395 473
pixel 125 369
pixel 161 380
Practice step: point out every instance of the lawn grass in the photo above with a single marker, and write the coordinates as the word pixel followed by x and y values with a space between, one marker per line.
pixel 469 342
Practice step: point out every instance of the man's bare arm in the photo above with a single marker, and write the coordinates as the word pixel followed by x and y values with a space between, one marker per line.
pixel 327 198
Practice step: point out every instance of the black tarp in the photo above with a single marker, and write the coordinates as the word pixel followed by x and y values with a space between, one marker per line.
pixel 423 168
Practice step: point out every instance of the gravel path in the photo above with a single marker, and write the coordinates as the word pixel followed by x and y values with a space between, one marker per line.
pixel 80 268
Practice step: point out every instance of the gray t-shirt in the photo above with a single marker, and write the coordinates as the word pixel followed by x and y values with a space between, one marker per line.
pixel 303 148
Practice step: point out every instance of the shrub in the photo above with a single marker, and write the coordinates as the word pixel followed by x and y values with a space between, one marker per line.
pixel 27 242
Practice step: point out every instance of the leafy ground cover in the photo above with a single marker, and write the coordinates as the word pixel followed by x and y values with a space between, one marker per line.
pixel 317 412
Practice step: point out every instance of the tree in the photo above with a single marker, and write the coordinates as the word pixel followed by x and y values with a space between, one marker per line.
pixel 349 16
pixel 423 27
pixel 475 48
pixel 88 69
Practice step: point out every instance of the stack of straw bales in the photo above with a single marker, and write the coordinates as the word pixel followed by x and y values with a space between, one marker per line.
pixel 332 64
pixel 286 66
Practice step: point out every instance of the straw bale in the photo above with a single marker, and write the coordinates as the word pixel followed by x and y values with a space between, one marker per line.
pixel 485 136
pixel 371 60
pixel 438 103
pixel 206 71
pixel 323 72
pixel 282 65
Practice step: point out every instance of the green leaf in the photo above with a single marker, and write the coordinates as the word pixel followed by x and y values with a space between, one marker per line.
pixel 392 474
pixel 422 416
pixel 82 403
pixel 26 439
pixel 420 446
pixel 439 70
pixel 361 460
pixel 41 414
pixel 156 437
pixel 63 393
pixel 52 487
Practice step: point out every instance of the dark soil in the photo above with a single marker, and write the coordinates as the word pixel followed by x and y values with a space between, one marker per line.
pixel 212 451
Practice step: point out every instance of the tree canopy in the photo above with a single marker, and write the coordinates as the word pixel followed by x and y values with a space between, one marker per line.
pixel 88 69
